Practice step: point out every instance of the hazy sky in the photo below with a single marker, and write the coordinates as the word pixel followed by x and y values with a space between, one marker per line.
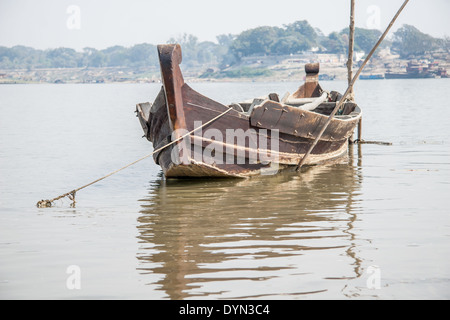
pixel 102 23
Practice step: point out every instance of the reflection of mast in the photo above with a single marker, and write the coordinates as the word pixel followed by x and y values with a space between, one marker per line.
pixel 351 212
pixel 197 231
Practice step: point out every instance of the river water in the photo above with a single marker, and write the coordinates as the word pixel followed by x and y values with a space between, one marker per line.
pixel 377 227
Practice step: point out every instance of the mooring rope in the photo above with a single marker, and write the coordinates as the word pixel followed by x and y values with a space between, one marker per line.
pixel 71 194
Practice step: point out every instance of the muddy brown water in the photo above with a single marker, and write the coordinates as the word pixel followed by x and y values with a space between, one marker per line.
pixel 374 227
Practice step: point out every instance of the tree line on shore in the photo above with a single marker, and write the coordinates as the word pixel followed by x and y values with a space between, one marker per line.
pixel 229 49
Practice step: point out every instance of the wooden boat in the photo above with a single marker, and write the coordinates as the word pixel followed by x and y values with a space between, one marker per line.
pixel 263 135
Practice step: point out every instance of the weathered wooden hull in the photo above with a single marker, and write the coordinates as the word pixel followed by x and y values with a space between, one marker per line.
pixel 269 137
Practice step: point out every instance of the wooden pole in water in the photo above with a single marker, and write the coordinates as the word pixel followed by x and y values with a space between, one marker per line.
pixel 359 130
pixel 351 42
pixel 347 92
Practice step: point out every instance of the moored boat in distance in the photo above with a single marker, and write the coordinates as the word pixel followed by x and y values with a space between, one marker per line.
pixel 195 136
pixel 406 75
pixel 418 70
pixel 377 76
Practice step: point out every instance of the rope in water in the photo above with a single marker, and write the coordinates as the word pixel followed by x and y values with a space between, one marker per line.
pixel 361 141
pixel 71 194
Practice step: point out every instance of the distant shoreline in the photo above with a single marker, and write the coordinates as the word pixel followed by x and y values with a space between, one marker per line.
pixel 257 69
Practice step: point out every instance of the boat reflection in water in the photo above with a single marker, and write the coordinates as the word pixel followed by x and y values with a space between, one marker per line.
pixel 265 237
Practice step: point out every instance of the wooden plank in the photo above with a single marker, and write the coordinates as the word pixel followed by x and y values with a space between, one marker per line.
pixel 299 123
